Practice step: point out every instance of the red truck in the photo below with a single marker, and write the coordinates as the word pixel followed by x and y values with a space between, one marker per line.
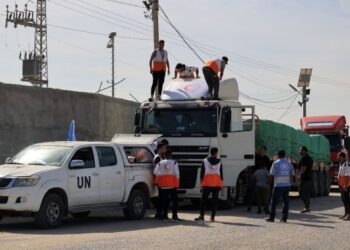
pixel 335 129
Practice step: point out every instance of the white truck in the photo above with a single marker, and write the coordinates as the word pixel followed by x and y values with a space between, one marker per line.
pixel 193 125
pixel 49 180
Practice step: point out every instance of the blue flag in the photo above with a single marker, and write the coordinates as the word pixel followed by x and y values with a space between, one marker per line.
pixel 71 132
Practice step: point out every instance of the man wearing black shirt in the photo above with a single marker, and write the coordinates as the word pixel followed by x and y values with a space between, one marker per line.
pixel 261 161
pixel 305 178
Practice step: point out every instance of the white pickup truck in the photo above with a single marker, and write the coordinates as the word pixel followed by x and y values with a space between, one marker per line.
pixel 49 180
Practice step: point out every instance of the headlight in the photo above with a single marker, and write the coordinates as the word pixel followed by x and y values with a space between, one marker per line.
pixel 26 181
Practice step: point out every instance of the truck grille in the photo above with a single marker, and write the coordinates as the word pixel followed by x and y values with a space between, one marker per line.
pixel 4 182
pixel 190 159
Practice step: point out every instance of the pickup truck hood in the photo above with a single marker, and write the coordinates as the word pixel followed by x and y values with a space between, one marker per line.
pixel 13 170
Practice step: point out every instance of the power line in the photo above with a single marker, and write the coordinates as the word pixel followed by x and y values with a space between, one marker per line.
pixel 179 33
pixel 95 33
pixel 292 102
pixel 125 3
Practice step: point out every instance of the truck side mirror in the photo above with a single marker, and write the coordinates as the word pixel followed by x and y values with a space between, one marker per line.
pixel 137 119
pixel 347 143
pixel 227 121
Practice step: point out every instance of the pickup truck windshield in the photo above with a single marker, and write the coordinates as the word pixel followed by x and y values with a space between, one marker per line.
pixel 180 122
pixel 42 155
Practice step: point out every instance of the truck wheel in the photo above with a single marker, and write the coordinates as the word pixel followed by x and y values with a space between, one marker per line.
pixel 81 215
pixel 1 218
pixel 51 211
pixel 136 206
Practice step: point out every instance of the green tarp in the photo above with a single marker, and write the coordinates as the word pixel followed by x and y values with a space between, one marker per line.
pixel 276 136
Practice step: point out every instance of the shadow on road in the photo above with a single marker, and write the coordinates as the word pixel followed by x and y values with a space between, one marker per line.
pixel 96 224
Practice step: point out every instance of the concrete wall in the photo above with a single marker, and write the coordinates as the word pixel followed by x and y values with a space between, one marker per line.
pixel 31 114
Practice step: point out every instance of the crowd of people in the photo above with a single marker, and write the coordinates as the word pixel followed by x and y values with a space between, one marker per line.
pixel 270 182
pixel 213 72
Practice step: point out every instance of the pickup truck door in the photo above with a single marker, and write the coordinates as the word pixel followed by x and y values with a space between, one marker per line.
pixel 84 181
pixel 237 141
pixel 111 169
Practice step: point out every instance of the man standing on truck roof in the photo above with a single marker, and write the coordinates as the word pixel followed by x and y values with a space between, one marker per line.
pixel 160 155
pixel 168 179
pixel 344 184
pixel 211 182
pixel 186 72
pixel 305 178
pixel 210 71
pixel 282 171
pixel 158 64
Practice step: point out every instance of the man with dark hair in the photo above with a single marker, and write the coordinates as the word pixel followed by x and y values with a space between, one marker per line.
pixel 158 64
pixel 168 178
pixel 185 72
pixel 305 178
pixel 160 155
pixel 211 182
pixel 281 171
pixel 210 71
pixel 262 161
pixel 344 184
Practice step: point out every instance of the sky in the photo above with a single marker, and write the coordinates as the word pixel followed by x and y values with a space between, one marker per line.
pixel 267 42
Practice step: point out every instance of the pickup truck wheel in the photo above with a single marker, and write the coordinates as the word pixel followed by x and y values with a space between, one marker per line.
pixel 81 215
pixel 136 206
pixel 51 212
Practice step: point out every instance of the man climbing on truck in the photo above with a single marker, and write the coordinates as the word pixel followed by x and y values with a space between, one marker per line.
pixel 210 71
pixel 186 72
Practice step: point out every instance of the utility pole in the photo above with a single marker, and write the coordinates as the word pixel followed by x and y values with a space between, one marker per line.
pixel 155 10
pixel 35 67
pixel 110 44
pixel 305 100
pixel 154 16
pixel 303 83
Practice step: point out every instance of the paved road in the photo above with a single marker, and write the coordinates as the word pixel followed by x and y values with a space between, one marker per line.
pixel 234 229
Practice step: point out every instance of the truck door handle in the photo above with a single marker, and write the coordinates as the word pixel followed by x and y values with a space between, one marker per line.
pixel 72 176
pixel 223 156
pixel 94 174
pixel 118 172
pixel 249 157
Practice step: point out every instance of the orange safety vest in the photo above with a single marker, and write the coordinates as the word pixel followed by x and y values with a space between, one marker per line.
pixel 344 171
pixel 160 60
pixel 215 65
pixel 167 174
pixel 212 176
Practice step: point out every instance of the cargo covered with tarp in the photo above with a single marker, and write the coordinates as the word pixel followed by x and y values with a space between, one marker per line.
pixel 276 136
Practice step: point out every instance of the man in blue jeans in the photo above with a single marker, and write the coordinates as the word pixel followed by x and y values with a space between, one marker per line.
pixel 281 171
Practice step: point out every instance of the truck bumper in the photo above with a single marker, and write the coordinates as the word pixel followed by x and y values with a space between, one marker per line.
pixel 14 200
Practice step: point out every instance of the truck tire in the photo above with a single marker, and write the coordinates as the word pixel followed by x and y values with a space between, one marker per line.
pixel 51 211
pixel 1 218
pixel 136 206
pixel 81 215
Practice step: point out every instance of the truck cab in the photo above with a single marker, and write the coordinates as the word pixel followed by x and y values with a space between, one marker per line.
pixel 192 126
pixel 335 129
pixel 49 180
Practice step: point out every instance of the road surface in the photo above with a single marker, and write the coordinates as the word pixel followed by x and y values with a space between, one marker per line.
pixel 234 229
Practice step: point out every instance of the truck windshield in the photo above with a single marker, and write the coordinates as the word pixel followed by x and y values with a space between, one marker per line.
pixel 180 122
pixel 42 155
pixel 334 142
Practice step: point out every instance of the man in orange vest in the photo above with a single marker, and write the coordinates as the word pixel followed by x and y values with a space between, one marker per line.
pixel 158 65
pixel 210 71
pixel 211 182
pixel 344 184
pixel 167 178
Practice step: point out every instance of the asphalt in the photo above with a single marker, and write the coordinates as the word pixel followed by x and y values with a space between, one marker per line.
pixel 234 229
